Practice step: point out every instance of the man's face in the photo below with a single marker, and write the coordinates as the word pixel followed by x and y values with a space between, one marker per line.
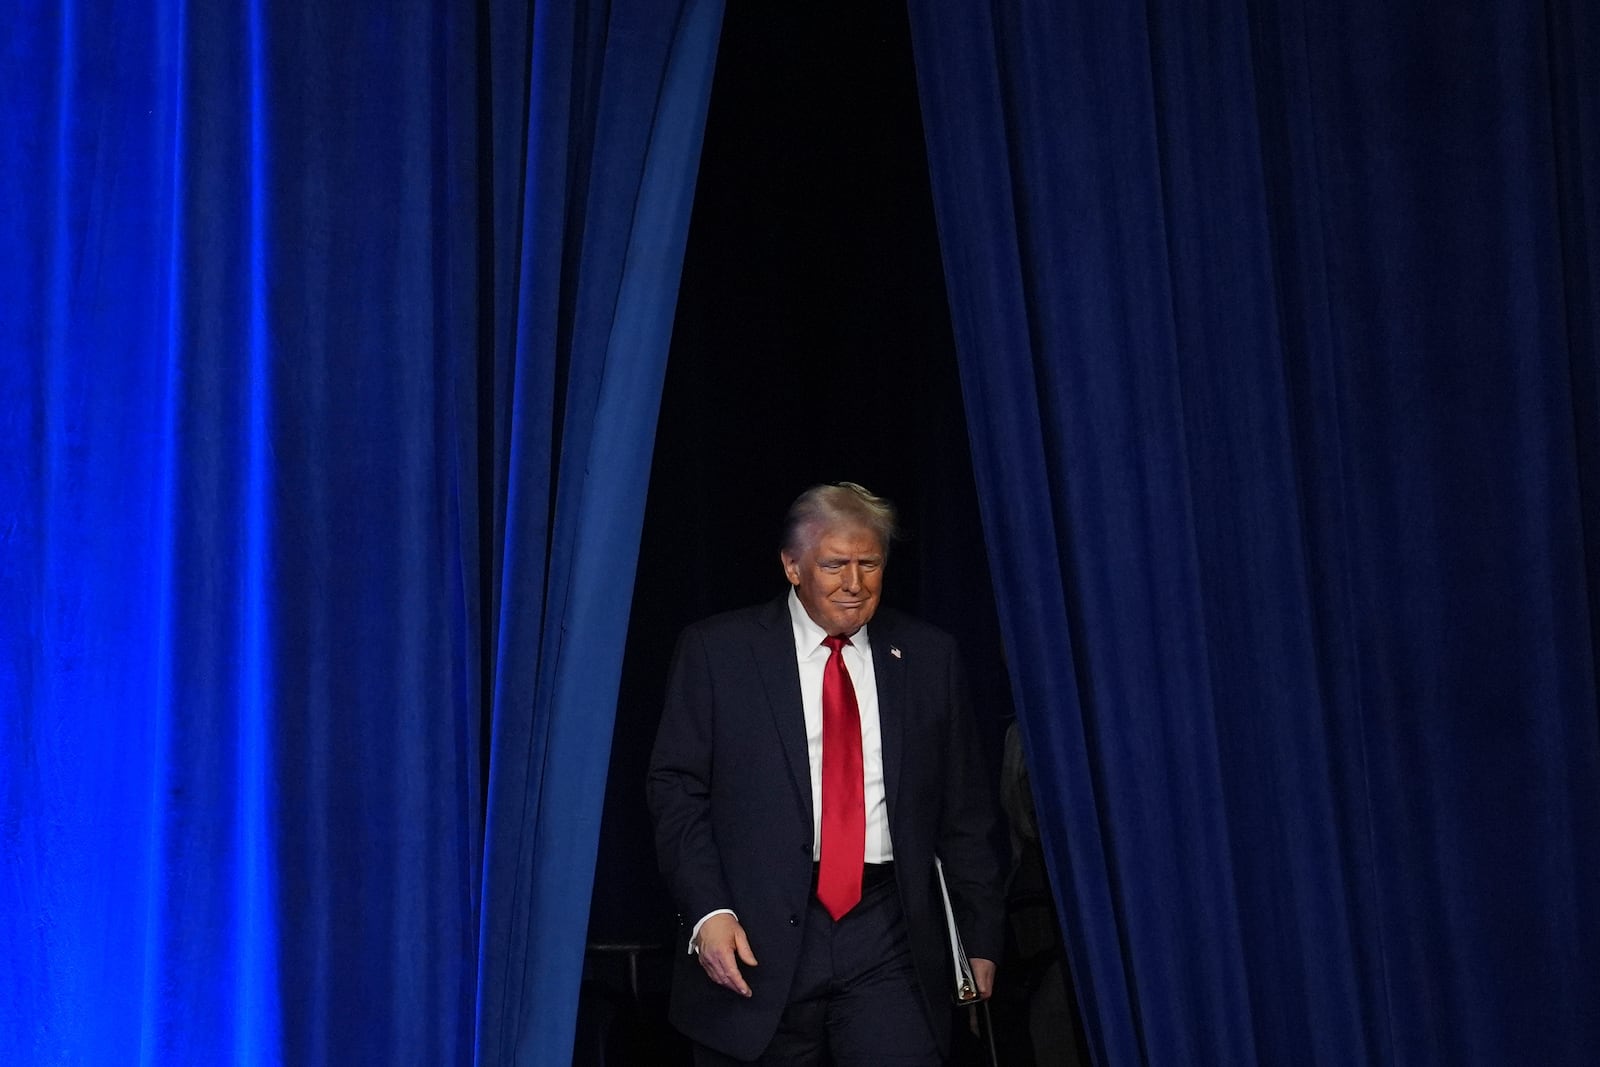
pixel 838 576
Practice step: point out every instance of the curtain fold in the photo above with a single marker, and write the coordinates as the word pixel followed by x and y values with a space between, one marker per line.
pixel 1277 340
pixel 328 375
pixel 603 227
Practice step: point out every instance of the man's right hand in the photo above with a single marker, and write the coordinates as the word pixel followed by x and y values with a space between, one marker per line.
pixel 723 947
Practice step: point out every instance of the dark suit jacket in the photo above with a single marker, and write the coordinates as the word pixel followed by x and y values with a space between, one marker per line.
pixel 730 790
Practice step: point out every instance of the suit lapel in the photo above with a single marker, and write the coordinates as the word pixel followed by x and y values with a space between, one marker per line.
pixel 889 668
pixel 780 677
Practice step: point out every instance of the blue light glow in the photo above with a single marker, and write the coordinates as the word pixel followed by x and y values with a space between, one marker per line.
pixel 256 1037
pixel 173 18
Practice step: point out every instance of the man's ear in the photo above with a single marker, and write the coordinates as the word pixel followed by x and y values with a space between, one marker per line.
pixel 791 568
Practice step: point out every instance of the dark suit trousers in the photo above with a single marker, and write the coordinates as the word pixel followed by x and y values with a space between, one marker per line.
pixel 855 1000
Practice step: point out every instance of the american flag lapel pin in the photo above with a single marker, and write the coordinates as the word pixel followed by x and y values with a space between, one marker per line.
pixel 893 651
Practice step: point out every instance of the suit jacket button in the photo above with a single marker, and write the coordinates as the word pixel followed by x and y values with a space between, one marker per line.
pixel 794 920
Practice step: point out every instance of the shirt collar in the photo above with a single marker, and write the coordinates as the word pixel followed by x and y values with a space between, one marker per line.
pixel 808 635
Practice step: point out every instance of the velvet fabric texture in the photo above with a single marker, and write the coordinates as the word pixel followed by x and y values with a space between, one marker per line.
pixel 1277 332
pixel 329 360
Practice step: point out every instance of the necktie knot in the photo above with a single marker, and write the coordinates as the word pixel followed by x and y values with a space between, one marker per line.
pixel 835 642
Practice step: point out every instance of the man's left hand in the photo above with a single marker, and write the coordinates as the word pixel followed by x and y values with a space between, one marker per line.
pixel 983 975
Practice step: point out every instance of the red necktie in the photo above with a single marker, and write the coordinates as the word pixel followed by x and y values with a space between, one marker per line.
pixel 844 809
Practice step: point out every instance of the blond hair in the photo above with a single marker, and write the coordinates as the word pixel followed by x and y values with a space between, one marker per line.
pixel 838 504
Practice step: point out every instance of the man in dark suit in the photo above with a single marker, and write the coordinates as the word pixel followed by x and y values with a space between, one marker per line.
pixel 808 769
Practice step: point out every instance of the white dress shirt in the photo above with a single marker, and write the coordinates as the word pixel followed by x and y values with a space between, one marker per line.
pixel 812 656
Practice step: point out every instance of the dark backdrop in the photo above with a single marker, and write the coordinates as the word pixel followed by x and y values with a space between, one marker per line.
pixel 812 343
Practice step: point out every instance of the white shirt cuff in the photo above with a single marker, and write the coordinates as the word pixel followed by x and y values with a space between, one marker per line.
pixel 694 935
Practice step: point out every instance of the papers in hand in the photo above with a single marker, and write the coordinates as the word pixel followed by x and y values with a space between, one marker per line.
pixel 965 987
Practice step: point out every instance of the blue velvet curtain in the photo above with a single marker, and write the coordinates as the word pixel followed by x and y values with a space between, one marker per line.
pixel 330 349
pixel 1278 337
